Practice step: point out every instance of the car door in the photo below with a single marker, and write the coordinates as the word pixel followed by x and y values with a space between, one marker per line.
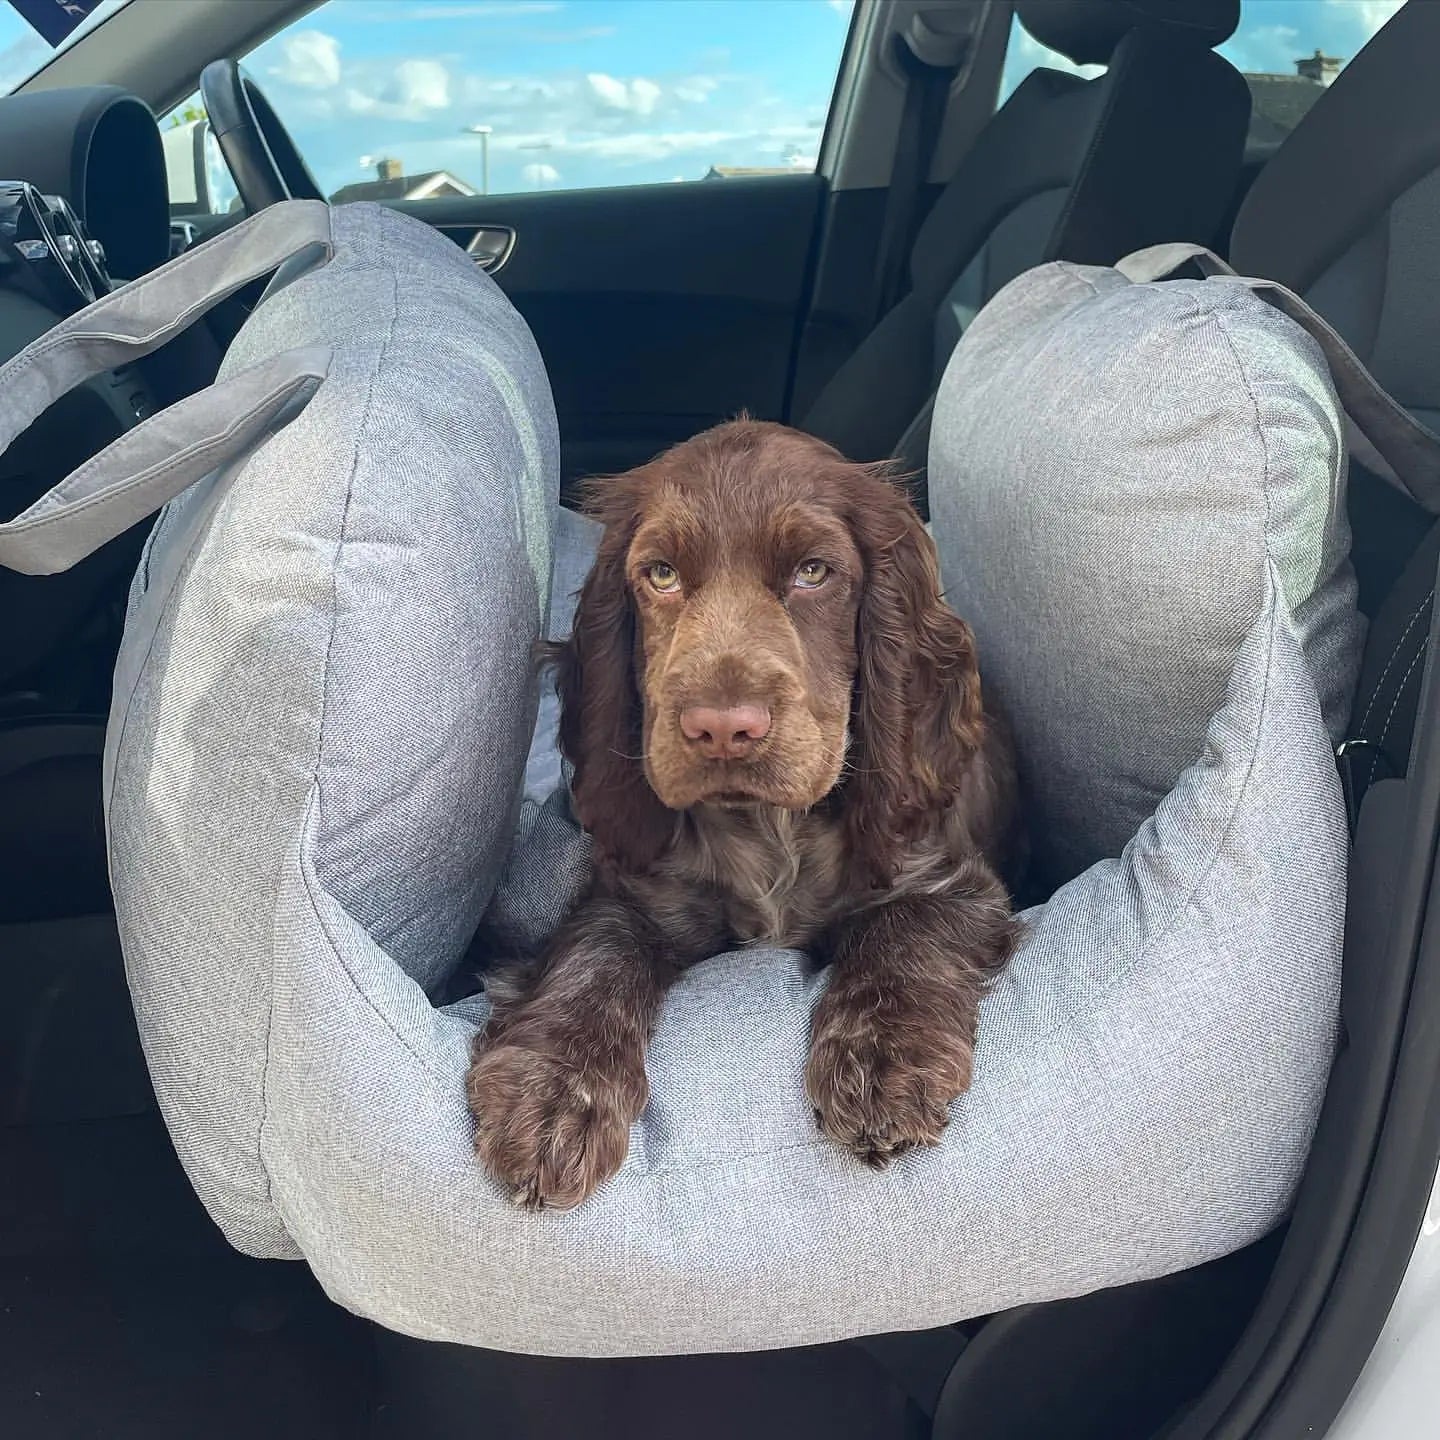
pixel 641 178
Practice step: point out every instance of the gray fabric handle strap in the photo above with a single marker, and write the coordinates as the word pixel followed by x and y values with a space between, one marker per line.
pixel 154 462
pixel 1384 436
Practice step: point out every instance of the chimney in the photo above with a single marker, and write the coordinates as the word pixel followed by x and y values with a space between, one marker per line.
pixel 389 169
pixel 1319 67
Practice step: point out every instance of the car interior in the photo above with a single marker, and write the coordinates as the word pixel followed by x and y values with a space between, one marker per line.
pixel 829 299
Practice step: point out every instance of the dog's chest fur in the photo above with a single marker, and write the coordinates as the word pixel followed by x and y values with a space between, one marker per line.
pixel 779 872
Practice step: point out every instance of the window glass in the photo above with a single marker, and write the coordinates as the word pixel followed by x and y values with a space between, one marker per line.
pixel 1288 51
pixel 23 50
pixel 416 99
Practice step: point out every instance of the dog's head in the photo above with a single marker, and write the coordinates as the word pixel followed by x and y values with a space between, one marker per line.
pixel 762 625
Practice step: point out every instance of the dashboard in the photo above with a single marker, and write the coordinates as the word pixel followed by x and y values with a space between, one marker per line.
pixel 83 207
pixel 47 250
pixel 99 148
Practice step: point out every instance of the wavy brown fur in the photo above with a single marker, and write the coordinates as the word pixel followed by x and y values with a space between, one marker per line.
pixel 869 825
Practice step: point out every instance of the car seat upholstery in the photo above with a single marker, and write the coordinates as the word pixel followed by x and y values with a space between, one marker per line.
pixel 1068 169
pixel 1347 214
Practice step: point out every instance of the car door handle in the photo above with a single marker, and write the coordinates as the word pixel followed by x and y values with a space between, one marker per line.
pixel 489 246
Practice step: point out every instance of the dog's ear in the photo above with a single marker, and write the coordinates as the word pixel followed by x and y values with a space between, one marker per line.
pixel 601 730
pixel 917 719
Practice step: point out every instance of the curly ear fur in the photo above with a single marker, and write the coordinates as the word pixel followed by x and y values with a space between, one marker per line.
pixel 917 719
pixel 601 726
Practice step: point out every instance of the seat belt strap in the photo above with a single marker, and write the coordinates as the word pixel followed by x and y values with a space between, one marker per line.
pixel 927 89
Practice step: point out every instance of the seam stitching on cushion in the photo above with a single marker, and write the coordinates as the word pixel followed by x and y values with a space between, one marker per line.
pixel 1186 907
pixel 1082 273
pixel 1217 318
pixel 1188 904
pixel 316 789
pixel 1277 596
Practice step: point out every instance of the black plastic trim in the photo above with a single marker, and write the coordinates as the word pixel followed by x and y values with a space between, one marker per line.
pixel 99 147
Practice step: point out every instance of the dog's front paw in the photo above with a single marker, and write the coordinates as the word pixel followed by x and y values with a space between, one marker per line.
pixel 551 1133
pixel 881 1077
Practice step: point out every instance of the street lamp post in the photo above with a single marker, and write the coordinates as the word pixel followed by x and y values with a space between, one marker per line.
pixel 484 132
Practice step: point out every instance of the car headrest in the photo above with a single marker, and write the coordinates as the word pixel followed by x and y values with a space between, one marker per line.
pixel 1087 31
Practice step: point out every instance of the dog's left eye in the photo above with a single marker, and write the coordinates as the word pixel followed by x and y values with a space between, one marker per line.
pixel 663 577
pixel 811 574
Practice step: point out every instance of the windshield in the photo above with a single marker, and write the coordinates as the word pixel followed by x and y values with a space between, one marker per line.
pixel 23 50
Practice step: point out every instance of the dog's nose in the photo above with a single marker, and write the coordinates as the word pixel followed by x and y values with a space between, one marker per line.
pixel 726 733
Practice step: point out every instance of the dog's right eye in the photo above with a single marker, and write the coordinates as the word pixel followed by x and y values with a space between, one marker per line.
pixel 662 577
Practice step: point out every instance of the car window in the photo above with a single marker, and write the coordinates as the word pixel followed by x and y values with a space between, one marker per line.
pixel 24 49
pixel 1288 51
pixel 416 99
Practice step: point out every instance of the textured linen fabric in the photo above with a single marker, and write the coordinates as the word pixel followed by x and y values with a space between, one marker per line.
pixel 343 618
pixel 318 776
pixel 1122 464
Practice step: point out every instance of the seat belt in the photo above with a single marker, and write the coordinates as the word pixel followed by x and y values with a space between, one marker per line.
pixel 929 62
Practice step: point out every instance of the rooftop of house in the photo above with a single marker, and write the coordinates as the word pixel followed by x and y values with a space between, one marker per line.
pixel 1278 103
pixel 391 184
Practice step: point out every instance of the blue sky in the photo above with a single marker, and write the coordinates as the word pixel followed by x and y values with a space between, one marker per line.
pixel 602 92
pixel 585 92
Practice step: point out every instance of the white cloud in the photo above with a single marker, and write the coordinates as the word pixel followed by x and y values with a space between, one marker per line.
pixel 485 10
pixel 567 37
pixel 589 127
pixel 407 14
pixel 1265 50
pixel 423 84
pixel 637 96
pixel 309 59
pixel 696 89
pixel 1369 14
pixel 415 90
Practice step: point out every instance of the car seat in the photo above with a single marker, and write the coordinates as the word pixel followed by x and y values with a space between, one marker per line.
pixel 1066 169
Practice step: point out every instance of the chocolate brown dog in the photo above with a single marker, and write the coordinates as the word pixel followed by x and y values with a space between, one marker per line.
pixel 778 738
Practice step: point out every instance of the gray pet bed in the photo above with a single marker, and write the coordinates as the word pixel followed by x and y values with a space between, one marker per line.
pixel 321 719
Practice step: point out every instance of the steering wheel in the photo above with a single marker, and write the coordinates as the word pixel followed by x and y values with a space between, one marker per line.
pixel 257 148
